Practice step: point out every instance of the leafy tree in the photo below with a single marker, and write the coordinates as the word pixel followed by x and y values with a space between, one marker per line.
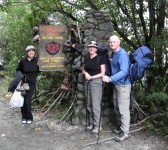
pixel 137 22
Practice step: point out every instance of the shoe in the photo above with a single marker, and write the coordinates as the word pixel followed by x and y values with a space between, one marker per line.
pixel 24 121
pixel 122 137
pixel 89 128
pixel 117 131
pixel 96 130
pixel 29 121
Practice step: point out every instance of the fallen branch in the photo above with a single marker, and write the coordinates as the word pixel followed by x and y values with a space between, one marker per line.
pixel 89 144
pixel 144 119
pixel 68 109
pixel 139 107
pixel 68 116
pixel 46 112
pixel 48 101
pixel 136 130
pixel 140 122
pixel 99 141
pixel 62 96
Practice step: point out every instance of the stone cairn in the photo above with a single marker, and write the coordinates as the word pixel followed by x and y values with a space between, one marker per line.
pixel 97 27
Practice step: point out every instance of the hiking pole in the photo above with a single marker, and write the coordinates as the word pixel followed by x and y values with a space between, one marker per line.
pixel 86 100
pixel 100 113
pixel 98 134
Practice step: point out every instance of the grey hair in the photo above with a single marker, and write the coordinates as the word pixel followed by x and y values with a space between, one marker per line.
pixel 115 36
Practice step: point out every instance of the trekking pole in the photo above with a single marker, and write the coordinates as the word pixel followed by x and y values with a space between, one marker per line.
pixel 86 100
pixel 100 113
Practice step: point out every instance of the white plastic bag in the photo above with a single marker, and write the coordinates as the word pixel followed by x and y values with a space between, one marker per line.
pixel 17 99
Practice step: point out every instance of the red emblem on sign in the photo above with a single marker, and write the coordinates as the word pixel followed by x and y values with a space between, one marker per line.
pixel 52 48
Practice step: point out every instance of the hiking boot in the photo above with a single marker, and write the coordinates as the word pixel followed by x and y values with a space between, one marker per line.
pixel 122 137
pixel 117 131
pixel 96 130
pixel 89 128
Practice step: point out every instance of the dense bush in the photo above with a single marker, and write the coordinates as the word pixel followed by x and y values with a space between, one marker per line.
pixel 157 104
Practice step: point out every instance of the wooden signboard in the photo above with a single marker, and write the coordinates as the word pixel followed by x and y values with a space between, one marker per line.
pixel 51 56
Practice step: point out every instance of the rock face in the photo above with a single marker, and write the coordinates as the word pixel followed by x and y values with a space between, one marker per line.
pixel 97 27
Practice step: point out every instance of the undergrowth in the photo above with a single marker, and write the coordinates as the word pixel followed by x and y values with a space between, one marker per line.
pixel 157 103
pixel 4 82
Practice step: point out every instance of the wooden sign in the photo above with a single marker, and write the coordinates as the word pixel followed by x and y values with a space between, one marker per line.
pixel 51 56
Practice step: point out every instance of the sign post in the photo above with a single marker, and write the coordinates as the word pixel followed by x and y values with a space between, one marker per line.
pixel 51 56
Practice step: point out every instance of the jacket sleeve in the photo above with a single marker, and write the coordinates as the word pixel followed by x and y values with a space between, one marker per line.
pixel 18 77
pixel 19 67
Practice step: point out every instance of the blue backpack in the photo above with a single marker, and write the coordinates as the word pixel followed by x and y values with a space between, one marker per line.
pixel 102 51
pixel 140 61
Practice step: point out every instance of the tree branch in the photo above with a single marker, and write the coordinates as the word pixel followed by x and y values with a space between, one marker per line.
pixel 124 9
pixel 92 5
pixel 79 6
pixel 152 18
pixel 135 22
pixel 140 13
pixel 123 35
pixel 61 10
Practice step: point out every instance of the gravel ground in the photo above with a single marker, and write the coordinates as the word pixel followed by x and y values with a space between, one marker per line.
pixel 48 134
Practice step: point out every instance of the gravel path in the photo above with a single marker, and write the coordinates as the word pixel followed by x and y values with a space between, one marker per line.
pixel 47 134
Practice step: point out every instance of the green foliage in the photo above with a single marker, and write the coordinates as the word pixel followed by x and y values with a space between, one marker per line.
pixel 16 34
pixel 4 81
pixel 158 123
pixel 47 84
pixel 157 103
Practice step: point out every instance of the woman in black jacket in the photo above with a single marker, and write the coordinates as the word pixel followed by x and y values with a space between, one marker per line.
pixel 28 66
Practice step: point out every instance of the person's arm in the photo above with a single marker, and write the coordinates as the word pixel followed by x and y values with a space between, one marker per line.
pixel 101 74
pixel 87 76
pixel 124 64
pixel 19 67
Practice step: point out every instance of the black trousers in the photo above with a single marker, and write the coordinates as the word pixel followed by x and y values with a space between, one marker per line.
pixel 26 110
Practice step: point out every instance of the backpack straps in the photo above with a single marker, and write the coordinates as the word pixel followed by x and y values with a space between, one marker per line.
pixel 98 61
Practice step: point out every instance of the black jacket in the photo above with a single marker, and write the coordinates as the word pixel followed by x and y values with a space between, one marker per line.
pixel 30 69
pixel 18 77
